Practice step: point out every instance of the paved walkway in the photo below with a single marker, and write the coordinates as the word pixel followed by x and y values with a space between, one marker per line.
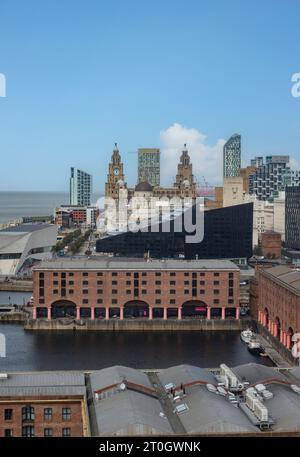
pixel 167 404
pixel 272 353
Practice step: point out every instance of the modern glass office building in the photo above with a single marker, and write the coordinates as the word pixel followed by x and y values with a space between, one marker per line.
pixel 232 156
pixel 149 166
pixel 227 235
pixel 292 217
pixel 80 188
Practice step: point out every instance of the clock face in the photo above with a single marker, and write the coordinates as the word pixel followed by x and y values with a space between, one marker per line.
pixel 116 171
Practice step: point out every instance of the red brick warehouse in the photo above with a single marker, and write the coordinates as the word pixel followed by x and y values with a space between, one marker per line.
pixel 106 288
pixel 279 302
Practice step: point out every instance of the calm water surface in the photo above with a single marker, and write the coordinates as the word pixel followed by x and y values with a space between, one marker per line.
pixel 94 350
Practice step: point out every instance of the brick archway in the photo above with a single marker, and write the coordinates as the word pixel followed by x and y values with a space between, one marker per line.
pixel 136 308
pixel 194 308
pixel 63 308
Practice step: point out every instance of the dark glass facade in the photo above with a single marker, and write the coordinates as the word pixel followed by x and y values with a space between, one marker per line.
pixel 227 235
pixel 292 217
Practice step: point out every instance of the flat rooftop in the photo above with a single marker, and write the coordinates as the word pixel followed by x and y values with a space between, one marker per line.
pixel 25 228
pixel 116 263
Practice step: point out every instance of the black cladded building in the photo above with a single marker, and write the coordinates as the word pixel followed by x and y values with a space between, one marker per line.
pixel 227 235
pixel 292 217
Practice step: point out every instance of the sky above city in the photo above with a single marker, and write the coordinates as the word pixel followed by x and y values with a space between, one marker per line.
pixel 81 75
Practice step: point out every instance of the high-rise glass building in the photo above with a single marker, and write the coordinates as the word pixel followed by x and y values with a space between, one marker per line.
pixel 232 156
pixel 80 187
pixel 149 166
pixel 292 217
pixel 269 179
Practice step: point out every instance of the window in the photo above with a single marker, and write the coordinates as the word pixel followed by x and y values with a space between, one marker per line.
pixel 158 291
pixel 230 275
pixel 8 414
pixel 230 283
pixel 99 283
pixel 186 283
pixel 85 301
pixel 157 301
pixel 114 301
pixel 55 283
pixel 172 301
pixel 48 432
pixel 144 274
pixel 55 274
pixel 66 431
pixel 99 291
pixel 194 275
pixel 157 274
pixel 28 431
pixel 186 292
pixel 114 273
pixel 216 291
pixel 28 413
pixel 8 432
pixel 71 283
pixel 114 283
pixel 114 291
pixel 85 274
pixel 216 301
pixel 172 283
pixel 230 292
pixel 230 301
pixel 202 291
pixel 144 283
pixel 128 274
pixel 71 291
pixel 128 291
pixel 202 274
pixel 144 291
pixel 202 283
pixel 66 414
pixel 172 291
pixel 99 273
pixel 42 275
pixel 186 274
pixel 47 414
pixel 157 283
pixel 216 283
pixel 172 274
pixel 85 291
pixel 55 291
pixel 100 300
pixel 71 274
pixel 216 274
pixel 85 283
pixel 128 283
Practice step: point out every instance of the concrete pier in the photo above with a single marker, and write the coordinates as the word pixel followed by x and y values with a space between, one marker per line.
pixel 137 324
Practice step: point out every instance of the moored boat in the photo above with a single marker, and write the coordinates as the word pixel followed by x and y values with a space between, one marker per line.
pixel 255 348
pixel 247 335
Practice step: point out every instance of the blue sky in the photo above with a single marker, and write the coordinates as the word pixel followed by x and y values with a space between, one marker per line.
pixel 84 74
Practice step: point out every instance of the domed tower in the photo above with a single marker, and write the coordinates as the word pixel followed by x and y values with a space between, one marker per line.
pixel 115 175
pixel 185 178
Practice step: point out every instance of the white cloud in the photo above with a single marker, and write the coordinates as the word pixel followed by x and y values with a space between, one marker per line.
pixel 207 160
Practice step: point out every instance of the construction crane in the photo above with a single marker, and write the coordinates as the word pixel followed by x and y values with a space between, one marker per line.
pixel 204 189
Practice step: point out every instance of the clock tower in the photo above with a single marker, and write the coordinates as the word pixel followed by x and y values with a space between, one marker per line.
pixel 115 175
